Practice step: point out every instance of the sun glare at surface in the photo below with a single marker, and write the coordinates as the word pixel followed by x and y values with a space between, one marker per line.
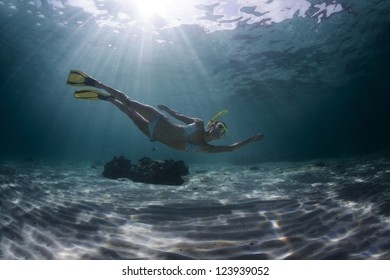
pixel 210 15
pixel 149 8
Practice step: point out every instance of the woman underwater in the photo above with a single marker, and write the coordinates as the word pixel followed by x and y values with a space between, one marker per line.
pixel 189 137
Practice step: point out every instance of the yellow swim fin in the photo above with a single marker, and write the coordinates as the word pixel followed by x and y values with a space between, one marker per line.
pixel 90 94
pixel 79 78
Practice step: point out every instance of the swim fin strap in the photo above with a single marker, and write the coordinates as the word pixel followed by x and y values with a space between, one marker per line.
pixel 90 94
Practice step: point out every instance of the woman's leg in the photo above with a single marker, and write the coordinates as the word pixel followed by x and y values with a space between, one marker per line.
pixel 146 111
pixel 137 119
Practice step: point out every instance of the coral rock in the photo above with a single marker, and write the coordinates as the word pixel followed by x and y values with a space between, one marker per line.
pixel 165 172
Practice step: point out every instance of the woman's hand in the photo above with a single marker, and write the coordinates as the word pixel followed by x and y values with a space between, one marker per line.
pixel 257 137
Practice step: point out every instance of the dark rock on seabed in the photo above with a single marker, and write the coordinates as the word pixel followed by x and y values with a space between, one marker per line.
pixel 164 172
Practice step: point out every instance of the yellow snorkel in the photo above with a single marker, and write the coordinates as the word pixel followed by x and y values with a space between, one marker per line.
pixel 216 117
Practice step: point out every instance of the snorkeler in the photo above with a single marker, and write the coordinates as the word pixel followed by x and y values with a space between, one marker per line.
pixel 189 137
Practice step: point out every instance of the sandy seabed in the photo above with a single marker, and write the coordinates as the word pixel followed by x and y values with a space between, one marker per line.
pixel 328 209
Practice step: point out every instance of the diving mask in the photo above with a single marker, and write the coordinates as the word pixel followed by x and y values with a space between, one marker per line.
pixel 220 125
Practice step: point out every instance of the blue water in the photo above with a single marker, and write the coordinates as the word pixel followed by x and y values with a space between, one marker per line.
pixel 312 76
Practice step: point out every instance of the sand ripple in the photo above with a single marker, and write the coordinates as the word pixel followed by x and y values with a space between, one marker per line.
pixel 332 210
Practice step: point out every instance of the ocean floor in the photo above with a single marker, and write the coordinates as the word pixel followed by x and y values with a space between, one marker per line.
pixel 328 209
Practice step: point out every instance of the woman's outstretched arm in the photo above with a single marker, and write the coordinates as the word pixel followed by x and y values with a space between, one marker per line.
pixel 220 149
pixel 185 119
